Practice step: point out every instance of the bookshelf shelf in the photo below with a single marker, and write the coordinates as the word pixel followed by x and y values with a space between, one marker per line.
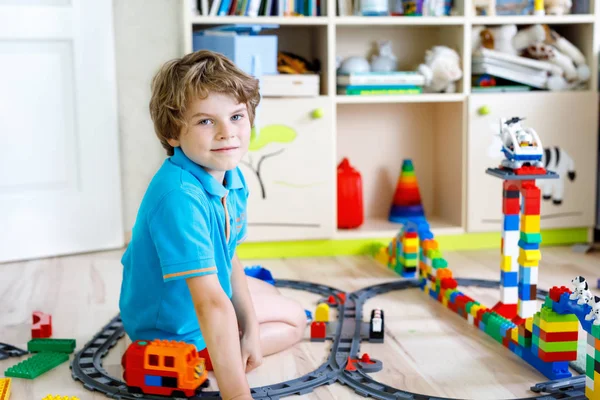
pixel 532 19
pixel 416 21
pixel 227 20
pixel 408 98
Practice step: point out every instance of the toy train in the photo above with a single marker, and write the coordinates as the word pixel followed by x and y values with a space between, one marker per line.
pixel 521 146
pixel 163 367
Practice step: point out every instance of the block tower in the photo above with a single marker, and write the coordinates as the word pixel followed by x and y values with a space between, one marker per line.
pixel 521 203
pixel 406 204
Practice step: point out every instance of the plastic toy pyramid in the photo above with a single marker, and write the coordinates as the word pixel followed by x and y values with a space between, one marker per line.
pixel 406 205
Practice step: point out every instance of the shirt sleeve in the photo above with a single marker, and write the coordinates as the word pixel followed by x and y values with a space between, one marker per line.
pixel 180 229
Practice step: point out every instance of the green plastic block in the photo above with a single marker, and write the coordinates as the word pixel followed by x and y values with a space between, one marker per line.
pixel 548 302
pixel 552 347
pixel 531 238
pixel 596 331
pixel 439 263
pixel 36 365
pixel 409 256
pixel 51 345
pixel 589 366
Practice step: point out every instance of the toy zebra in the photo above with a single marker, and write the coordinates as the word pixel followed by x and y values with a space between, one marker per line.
pixel 557 160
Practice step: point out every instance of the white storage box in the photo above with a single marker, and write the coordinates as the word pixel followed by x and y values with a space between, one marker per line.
pixel 289 85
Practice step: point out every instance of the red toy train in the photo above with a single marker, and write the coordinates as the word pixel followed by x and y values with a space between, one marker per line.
pixel 163 367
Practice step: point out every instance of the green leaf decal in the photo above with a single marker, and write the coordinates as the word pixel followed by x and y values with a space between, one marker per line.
pixel 271 134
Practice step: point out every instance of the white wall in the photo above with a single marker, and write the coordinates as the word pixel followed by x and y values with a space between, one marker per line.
pixel 147 33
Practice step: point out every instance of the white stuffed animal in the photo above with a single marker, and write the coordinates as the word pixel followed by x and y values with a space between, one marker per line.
pixel 441 69
pixel 578 282
pixel 386 61
pixel 558 7
pixel 595 311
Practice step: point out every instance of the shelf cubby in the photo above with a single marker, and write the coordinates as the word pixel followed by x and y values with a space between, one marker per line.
pixel 376 138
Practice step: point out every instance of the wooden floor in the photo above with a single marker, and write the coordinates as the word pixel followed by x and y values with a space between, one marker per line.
pixel 427 349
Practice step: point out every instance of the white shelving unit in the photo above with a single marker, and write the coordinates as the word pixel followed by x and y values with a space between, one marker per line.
pixel 435 130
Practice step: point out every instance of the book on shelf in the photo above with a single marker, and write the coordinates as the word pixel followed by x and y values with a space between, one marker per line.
pixel 365 90
pixel 255 8
pixel 381 78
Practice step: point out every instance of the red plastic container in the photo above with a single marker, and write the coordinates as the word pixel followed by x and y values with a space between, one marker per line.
pixel 349 196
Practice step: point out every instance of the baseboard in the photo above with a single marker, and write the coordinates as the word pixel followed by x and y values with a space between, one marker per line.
pixel 323 248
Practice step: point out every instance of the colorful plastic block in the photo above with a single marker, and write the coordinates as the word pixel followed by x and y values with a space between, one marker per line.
pixel 37 365
pixel 318 331
pixel 51 345
pixel 4 388
pixel 322 313
pixel 42 325
pixel 59 397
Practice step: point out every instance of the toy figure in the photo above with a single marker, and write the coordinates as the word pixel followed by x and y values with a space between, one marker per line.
pixel 521 146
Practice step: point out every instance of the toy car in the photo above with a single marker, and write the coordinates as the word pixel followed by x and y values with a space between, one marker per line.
pixel 163 367
pixel 376 325
pixel 521 146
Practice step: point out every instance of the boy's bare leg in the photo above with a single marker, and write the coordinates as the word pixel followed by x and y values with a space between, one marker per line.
pixel 282 320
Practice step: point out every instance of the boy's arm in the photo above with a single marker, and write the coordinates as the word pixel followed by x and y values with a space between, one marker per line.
pixel 219 327
pixel 242 302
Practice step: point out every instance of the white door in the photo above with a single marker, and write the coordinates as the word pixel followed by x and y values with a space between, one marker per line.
pixel 59 162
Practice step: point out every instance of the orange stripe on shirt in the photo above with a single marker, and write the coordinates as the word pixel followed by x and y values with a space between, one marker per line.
pixel 194 271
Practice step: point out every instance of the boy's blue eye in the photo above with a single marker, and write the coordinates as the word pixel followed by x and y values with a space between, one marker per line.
pixel 236 117
pixel 203 121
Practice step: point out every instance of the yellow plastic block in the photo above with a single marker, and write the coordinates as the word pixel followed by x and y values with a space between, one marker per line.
pixel 530 223
pixel 559 326
pixel 506 263
pixel 411 242
pixel 4 388
pixel 444 301
pixel 529 324
pixel 529 258
pixel 514 334
pixel 58 397
pixel 322 313
pixel 382 256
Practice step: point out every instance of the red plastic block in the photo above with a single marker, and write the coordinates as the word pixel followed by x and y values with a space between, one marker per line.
pixel 342 296
pixel 527 170
pixel 410 235
pixel 508 311
pixel 550 337
pixel 556 292
pixel 531 207
pixel 518 321
pixel 511 206
pixel 318 330
pixel 449 283
pixel 557 356
pixel 42 325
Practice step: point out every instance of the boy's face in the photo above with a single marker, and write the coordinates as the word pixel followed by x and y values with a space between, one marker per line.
pixel 218 133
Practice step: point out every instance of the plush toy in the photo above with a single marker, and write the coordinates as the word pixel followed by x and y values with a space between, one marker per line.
pixel 386 61
pixel 558 7
pixel 441 69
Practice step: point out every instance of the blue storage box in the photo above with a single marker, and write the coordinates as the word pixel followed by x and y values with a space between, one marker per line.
pixel 254 54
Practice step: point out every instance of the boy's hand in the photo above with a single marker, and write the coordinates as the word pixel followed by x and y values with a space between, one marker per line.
pixel 251 352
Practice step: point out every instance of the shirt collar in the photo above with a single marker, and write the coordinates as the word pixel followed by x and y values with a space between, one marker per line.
pixel 210 184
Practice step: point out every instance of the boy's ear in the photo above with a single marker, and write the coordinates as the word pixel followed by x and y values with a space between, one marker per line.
pixel 173 142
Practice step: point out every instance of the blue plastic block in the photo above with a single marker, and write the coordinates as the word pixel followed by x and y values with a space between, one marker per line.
pixel 528 246
pixel 524 275
pixel 511 222
pixel 509 279
pixel 152 380
pixel 525 292
pixel 551 370
pixel 258 272
pixel 409 274
pixel 482 326
pixel 536 331
pixel 452 298
pixel 567 306
pixel 309 317
pixel 434 295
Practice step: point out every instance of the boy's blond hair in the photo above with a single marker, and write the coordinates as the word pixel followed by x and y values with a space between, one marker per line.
pixel 196 74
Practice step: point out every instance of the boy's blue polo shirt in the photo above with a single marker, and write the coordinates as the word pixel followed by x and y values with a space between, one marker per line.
pixel 180 232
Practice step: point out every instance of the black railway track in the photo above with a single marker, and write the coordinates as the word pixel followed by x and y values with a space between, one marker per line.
pixel 86 366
